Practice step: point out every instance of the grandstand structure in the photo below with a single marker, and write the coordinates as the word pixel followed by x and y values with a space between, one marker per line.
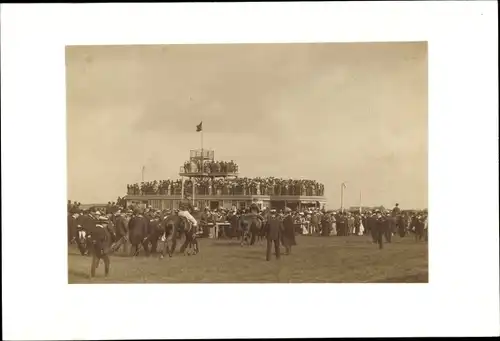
pixel 220 200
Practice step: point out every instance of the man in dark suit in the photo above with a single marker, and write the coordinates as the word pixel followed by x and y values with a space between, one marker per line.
pixel 121 227
pixel 155 231
pixel 326 225
pixel 382 227
pixel 234 221
pixel 274 229
pixel 100 241
pixel 85 225
pixel 371 222
pixel 138 228
pixel 288 231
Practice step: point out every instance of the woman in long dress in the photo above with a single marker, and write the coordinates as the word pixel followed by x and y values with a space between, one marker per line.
pixel 303 223
pixel 361 228
pixel 334 226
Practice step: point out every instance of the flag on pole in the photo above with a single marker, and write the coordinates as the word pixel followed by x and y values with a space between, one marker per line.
pixel 344 185
pixel 199 127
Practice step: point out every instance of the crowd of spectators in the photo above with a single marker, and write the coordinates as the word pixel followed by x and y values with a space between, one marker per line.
pixel 163 187
pixel 110 208
pixel 226 186
pixel 210 167
pixel 308 221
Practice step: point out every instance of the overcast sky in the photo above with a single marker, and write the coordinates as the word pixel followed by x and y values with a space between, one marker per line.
pixel 330 112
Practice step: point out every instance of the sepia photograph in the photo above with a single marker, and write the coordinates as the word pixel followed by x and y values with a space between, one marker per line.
pixel 247 163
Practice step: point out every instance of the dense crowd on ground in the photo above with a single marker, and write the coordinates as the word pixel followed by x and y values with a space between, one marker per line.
pixel 308 221
pixel 227 186
pixel 211 166
pixel 101 231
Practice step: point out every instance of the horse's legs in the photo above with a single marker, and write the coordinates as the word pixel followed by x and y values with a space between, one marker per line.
pixel 173 245
pixel 135 250
pixel 253 236
pixel 94 264
pixel 197 246
pixel 185 244
pixel 380 238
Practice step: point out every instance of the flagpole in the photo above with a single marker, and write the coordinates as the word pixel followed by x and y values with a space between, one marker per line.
pixel 342 197
pixel 202 156
pixel 360 202
pixel 143 173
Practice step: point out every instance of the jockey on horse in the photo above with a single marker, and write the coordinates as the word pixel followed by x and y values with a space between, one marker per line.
pixel 190 227
pixel 398 221
pixel 184 211
pixel 251 224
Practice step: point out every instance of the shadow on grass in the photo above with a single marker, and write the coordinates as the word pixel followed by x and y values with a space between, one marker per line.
pixel 227 243
pixel 249 257
pixel 121 255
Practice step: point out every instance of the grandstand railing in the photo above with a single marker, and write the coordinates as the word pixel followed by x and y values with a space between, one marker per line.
pixel 235 191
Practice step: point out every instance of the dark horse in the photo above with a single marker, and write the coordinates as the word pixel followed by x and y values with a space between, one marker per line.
pixel 175 226
pixel 402 223
pixel 250 227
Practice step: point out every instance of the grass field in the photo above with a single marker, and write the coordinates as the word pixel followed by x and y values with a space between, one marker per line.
pixel 351 259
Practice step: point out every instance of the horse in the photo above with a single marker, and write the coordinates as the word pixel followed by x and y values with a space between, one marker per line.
pixel 175 226
pixel 172 226
pixel 250 227
pixel 81 241
pixel 402 225
pixel 138 233
pixel 392 224
pixel 155 231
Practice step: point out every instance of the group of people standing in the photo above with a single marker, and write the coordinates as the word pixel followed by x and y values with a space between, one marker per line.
pixel 210 167
pixel 377 223
pixel 229 186
pixel 100 232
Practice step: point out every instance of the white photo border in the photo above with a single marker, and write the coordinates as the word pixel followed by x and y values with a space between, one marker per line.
pixel 462 296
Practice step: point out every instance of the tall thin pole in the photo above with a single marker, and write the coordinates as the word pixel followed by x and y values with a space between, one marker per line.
pixel 202 155
pixel 360 202
pixel 342 197
pixel 143 168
